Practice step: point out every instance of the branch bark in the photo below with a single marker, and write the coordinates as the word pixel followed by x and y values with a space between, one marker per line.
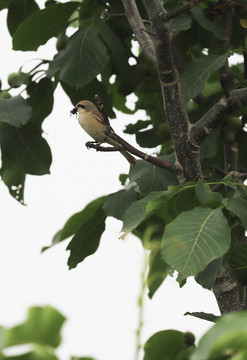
pixel 204 127
pixel 187 154
pixel 137 25
pixel 227 292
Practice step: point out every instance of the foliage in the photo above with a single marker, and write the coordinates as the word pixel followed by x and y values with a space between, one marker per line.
pixel 41 331
pixel 192 221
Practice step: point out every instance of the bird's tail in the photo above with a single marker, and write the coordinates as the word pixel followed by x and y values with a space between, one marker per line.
pixel 129 157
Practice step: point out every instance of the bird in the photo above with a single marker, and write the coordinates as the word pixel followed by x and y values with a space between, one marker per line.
pixel 91 120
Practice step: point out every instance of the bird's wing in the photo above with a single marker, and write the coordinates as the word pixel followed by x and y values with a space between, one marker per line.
pixel 99 117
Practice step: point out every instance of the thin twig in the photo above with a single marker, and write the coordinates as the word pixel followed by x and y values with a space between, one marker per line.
pixel 180 10
pixel 103 111
pixel 105 14
pixel 155 161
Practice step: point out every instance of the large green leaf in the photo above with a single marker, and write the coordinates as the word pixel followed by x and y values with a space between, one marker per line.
pixel 86 240
pixel 194 239
pixel 164 345
pixel 139 210
pixel 41 99
pixel 15 111
pixel 206 23
pixel 206 278
pixel 203 316
pixel 239 208
pixel 73 224
pixel 197 73
pixel 227 337
pixel 117 203
pixel 148 138
pixel 19 10
pixel 42 25
pixel 150 177
pixel 4 4
pixel 39 353
pixel 116 50
pixel 168 204
pixel 84 57
pixel 238 260
pixel 26 148
pixel 43 326
pixel 158 271
pixel 13 178
pixel 206 196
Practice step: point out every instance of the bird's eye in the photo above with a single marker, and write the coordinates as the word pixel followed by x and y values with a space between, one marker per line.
pixel 81 106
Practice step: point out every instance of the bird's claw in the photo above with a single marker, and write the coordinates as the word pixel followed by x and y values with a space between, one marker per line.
pixel 95 144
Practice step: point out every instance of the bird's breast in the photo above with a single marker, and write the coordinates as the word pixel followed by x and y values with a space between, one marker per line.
pixel 92 126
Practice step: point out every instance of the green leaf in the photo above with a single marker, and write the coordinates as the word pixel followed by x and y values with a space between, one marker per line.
pixel 30 153
pixel 116 50
pixel 181 22
pixel 203 316
pixel 4 4
pixel 84 57
pixel 243 23
pixel 207 24
pixel 230 182
pixel 168 204
pixel 239 208
pixel 158 271
pixel 41 99
pixel 39 353
pixel 139 210
pixel 194 239
pixel 133 128
pixel 19 10
pixel 117 203
pixel 206 278
pixel 150 177
pixel 210 145
pixel 15 111
pixel 13 178
pixel 238 261
pixel 73 224
pixel 86 240
pixel 206 196
pixel 227 337
pixel 43 326
pixel 197 73
pixel 164 345
pixel 148 138
pixel 42 25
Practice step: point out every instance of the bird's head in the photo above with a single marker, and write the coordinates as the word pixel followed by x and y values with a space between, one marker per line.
pixel 83 107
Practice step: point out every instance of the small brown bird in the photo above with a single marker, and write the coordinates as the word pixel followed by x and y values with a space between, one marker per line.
pixel 92 122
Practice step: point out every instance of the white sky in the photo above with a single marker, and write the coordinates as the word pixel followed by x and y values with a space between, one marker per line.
pixel 99 297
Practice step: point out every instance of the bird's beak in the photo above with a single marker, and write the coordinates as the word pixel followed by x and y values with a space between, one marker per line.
pixel 74 111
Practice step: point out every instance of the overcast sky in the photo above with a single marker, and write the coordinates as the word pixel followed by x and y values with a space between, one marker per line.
pixel 99 297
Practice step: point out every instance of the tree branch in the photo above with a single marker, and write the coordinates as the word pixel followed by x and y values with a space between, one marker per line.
pixel 187 155
pixel 227 292
pixel 136 24
pixel 200 130
pixel 173 168
pixel 180 10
